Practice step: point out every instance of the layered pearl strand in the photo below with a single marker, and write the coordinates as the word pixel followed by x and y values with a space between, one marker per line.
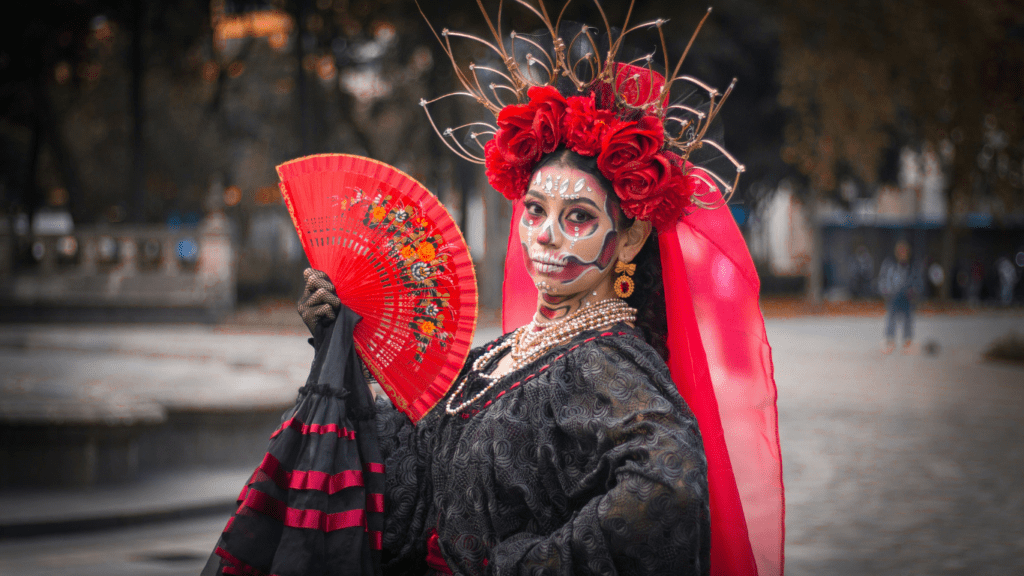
pixel 533 340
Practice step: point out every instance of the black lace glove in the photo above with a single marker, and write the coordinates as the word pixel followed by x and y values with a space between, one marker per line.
pixel 319 300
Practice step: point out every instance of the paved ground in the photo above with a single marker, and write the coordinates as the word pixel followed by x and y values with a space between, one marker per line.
pixel 118 372
pixel 900 464
pixel 164 549
pixel 893 464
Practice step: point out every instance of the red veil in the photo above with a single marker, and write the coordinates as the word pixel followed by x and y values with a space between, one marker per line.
pixel 721 362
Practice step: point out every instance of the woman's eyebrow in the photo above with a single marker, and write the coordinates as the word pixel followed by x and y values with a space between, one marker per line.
pixel 586 201
pixel 540 196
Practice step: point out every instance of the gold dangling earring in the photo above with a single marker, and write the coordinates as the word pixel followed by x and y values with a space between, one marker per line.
pixel 624 283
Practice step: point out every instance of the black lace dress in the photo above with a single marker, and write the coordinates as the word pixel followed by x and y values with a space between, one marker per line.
pixel 585 462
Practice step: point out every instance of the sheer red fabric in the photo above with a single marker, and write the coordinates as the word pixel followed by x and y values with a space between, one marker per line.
pixel 721 362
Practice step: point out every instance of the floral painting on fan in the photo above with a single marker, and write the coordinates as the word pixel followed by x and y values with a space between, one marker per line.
pixel 421 260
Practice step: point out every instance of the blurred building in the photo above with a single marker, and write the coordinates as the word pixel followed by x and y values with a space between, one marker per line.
pixel 859 230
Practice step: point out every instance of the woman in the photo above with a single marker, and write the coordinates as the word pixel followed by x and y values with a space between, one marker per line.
pixel 566 445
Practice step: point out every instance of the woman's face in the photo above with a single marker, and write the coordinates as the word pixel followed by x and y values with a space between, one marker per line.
pixel 569 233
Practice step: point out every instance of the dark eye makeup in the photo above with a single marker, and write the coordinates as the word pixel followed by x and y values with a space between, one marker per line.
pixel 578 216
pixel 534 208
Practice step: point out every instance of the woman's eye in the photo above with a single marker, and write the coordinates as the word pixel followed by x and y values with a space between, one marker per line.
pixel 579 216
pixel 534 209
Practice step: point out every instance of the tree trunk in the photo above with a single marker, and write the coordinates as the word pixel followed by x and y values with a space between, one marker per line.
pixel 949 234
pixel 61 155
pixel 137 185
pixel 29 194
pixel 815 275
pixel 950 231
pixel 301 84
pixel 490 273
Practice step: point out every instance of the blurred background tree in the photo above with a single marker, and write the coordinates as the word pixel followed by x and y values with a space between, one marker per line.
pixel 125 110
pixel 860 79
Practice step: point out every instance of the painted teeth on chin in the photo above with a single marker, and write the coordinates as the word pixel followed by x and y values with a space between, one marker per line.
pixel 543 267
pixel 547 260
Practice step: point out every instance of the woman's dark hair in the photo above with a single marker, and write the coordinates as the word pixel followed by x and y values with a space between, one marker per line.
pixel 649 293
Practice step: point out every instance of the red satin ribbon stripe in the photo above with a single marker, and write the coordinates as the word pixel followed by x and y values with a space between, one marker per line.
pixel 237 566
pixel 311 479
pixel 374 502
pixel 299 426
pixel 295 518
pixel 310 519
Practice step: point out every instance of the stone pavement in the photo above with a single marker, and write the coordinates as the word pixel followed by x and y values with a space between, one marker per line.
pixel 901 464
pixel 130 376
pixel 171 495
pixel 128 372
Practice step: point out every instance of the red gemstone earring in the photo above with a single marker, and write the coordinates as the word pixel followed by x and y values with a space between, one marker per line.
pixel 624 283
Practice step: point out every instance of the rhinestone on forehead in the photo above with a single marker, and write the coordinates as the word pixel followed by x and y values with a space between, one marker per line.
pixel 579 185
pixel 548 185
pixel 563 188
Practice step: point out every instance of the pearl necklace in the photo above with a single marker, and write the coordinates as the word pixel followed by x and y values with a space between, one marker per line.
pixel 538 338
pixel 533 340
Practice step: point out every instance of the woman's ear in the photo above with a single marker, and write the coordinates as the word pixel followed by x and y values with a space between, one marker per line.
pixel 633 240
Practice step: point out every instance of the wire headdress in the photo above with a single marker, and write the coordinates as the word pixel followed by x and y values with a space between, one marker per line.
pixel 578 60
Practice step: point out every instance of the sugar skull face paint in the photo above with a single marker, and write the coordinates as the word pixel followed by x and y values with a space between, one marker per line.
pixel 569 232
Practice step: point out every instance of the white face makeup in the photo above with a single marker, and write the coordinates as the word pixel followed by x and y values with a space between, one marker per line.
pixel 570 235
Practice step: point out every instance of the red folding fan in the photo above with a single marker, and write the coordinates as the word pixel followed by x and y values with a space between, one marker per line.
pixel 398 260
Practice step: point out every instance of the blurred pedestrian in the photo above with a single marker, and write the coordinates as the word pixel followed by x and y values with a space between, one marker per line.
pixel 936 276
pixel 1007 280
pixel 900 283
pixel 863 271
pixel 974 280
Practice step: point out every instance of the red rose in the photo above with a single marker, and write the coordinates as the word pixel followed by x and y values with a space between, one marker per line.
pixel 641 183
pixel 549 106
pixel 680 189
pixel 629 145
pixel 670 209
pixel 659 192
pixel 505 177
pixel 584 125
pixel 515 138
pixel 646 209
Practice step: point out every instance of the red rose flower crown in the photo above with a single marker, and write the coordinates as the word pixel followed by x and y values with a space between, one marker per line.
pixel 620 114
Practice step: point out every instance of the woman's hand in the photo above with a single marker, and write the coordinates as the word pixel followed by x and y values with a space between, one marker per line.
pixel 319 300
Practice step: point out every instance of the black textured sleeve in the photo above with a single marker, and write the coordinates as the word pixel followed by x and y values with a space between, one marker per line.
pixel 645 504
pixel 406 493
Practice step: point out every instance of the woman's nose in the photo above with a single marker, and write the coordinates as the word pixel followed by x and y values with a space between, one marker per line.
pixel 549 235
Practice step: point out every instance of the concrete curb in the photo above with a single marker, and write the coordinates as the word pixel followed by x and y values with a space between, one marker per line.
pixel 31 529
pixel 167 496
